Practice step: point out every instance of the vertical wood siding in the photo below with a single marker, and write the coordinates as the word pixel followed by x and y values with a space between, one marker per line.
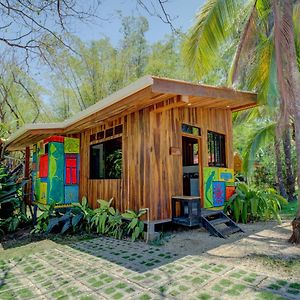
pixel 150 174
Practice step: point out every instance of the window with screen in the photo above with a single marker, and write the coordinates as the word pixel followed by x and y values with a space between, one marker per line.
pixel 216 149
pixel 106 160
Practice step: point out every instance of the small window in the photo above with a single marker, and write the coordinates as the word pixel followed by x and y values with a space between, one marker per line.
pixel 100 135
pixel 119 129
pixel 106 160
pixel 191 129
pixel 92 137
pixel 216 149
pixel 109 132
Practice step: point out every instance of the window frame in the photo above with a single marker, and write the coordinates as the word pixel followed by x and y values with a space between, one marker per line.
pixel 220 156
pixel 103 142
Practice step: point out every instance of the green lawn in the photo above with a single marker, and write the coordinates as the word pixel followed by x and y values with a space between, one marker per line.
pixel 289 211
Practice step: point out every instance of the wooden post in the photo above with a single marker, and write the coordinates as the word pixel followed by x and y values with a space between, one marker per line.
pixel 27 175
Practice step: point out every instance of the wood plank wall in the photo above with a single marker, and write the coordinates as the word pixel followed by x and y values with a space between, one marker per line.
pixel 150 174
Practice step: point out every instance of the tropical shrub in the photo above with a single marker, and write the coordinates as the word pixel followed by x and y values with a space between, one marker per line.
pixel 87 212
pixel 252 204
pixel 43 220
pixel 101 216
pixel 12 206
pixel 135 227
pixel 105 220
pixel 62 220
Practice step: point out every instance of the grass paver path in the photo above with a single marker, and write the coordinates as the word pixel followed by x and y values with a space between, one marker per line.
pixel 104 268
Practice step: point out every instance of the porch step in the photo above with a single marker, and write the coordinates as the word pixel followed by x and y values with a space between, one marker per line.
pixel 218 223
pixel 230 230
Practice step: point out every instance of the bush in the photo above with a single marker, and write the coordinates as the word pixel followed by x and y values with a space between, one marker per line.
pixel 252 204
pixel 58 220
pixel 104 220
pixel 12 206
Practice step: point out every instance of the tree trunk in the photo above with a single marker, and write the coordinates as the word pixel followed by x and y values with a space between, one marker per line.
pixel 279 168
pixel 288 76
pixel 290 178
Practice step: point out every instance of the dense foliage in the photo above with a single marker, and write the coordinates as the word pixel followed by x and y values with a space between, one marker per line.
pixel 105 220
pixel 252 204
pixel 12 207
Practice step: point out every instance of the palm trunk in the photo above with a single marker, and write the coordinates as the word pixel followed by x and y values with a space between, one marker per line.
pixel 290 178
pixel 281 186
pixel 288 76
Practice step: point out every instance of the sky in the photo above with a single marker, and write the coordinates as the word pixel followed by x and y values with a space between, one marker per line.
pixel 182 13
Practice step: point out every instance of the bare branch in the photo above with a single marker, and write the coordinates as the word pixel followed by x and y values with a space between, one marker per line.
pixel 164 16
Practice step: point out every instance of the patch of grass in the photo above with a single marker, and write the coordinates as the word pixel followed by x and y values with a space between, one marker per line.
pixel 293 292
pixel 204 297
pixel 281 282
pixel 295 285
pixel 288 211
pixel 269 296
pixel 117 296
pixel 290 266
pixel 274 286
pixel 109 290
pixel 145 297
pixel 161 240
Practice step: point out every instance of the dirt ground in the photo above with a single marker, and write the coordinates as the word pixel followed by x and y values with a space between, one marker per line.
pixel 263 245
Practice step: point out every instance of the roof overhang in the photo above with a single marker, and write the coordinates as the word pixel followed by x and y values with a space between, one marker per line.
pixel 144 92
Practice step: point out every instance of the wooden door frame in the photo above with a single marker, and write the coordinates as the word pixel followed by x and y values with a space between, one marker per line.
pixel 200 162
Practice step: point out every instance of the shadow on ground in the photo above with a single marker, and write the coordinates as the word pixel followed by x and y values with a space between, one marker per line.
pixel 105 268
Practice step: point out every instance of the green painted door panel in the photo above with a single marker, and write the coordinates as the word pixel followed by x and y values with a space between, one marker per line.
pixel 56 173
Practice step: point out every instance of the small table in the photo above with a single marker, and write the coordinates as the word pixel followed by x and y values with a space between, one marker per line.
pixel 189 212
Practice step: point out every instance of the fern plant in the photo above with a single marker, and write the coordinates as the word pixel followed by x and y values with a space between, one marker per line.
pixel 252 204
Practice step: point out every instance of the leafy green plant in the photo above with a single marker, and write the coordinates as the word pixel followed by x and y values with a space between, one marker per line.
pixel 114 161
pixel 135 226
pixel 252 204
pixel 104 220
pixel 101 216
pixel 12 206
pixel 65 222
pixel 88 213
pixel 115 225
pixel 43 220
pixel 73 219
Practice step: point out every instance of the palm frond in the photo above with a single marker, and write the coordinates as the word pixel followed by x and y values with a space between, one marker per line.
pixel 212 27
pixel 262 74
pixel 296 18
pixel 257 140
pixel 246 42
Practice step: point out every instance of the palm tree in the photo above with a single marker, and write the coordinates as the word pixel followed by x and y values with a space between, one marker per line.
pixel 221 21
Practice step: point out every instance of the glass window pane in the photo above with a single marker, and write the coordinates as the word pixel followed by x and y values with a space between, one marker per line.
pixel 106 160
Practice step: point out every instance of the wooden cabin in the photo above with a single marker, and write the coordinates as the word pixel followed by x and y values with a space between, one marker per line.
pixel 162 133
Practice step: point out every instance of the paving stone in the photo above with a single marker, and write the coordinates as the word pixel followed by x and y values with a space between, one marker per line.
pixel 285 288
pixel 227 288
pixel 104 268
pixel 247 277
pixel 147 296
pixel 71 291
pixel 149 278
pixel 173 289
